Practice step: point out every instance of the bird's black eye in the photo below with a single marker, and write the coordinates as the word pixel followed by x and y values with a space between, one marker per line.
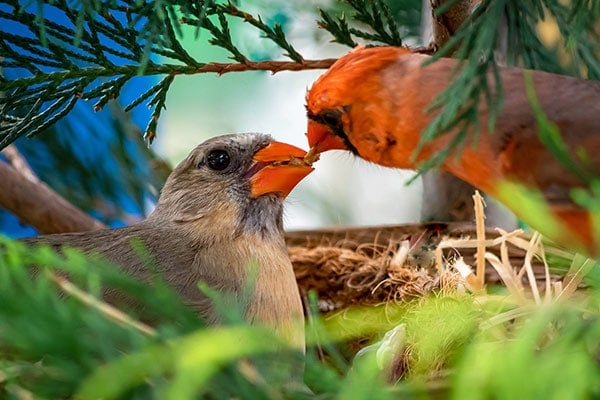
pixel 218 160
pixel 332 118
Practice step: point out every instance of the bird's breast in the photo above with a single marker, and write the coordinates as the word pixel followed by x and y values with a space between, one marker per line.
pixel 254 272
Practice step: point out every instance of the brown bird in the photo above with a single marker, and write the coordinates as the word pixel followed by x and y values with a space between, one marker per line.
pixel 219 217
pixel 374 103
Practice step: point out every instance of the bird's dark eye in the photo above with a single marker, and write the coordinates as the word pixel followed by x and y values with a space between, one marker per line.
pixel 218 160
pixel 332 118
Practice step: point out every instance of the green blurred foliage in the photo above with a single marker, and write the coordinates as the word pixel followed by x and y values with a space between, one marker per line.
pixel 53 346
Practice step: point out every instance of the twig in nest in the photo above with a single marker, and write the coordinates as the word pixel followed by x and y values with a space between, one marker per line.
pixel 480 225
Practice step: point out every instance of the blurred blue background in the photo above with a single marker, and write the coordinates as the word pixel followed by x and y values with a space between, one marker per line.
pixel 98 160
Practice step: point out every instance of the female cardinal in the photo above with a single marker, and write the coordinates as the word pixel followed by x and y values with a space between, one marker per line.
pixel 374 102
pixel 218 216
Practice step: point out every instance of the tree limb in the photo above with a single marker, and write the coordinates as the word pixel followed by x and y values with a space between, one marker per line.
pixel 18 162
pixel 446 24
pixel 268 65
pixel 36 204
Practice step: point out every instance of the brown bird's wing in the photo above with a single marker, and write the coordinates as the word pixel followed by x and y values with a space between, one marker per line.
pixel 124 247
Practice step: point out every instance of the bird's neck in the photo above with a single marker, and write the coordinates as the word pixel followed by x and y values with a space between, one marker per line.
pixel 263 216
pixel 275 300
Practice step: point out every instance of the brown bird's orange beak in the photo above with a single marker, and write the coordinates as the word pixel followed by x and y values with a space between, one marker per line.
pixel 279 167
pixel 321 139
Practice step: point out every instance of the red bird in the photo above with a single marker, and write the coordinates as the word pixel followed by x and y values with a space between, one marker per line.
pixel 374 101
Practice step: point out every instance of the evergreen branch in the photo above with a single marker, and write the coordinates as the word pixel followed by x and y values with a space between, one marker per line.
pixel 99 49
pixel 391 23
pixel 66 60
pixel 66 38
pixel 158 102
pixel 526 48
pixel 178 51
pixel 86 9
pixel 375 14
pixel 169 54
pixel 49 92
pixel 63 34
pixel 213 67
pixel 118 38
pixel 143 97
pixel 26 61
pixel 578 26
pixel 151 33
pixel 365 35
pixel 52 114
pixel 11 125
pixel 35 122
pixel 372 13
pixel 68 86
pixel 63 53
pixel 28 44
pixel 275 34
pixel 21 93
pixel 220 38
pixel 4 64
pixel 126 56
pixel 269 65
pixel 337 27
pixel 29 20
pixel 224 39
pixel 108 91
pixel 125 38
pixel 478 78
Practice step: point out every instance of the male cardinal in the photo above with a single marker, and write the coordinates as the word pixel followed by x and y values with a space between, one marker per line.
pixel 374 102
pixel 219 215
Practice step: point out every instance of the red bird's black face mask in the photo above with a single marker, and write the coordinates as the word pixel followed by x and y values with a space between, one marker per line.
pixel 326 132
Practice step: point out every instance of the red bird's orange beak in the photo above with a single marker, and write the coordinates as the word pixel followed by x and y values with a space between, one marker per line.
pixel 278 168
pixel 321 139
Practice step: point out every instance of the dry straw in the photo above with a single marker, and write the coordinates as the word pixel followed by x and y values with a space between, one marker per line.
pixel 378 265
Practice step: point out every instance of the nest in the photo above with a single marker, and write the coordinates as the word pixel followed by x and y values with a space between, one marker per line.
pixel 348 273
pixel 375 265
pixel 366 266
